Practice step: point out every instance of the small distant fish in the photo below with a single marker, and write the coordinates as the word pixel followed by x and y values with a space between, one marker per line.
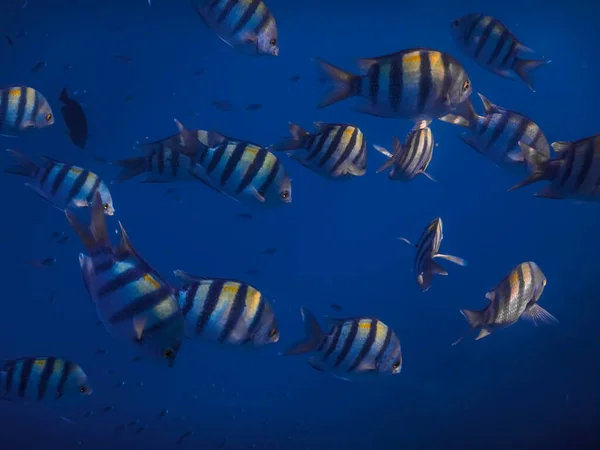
pixel 100 159
pixel 246 216
pixel 198 72
pixel 63 239
pixel 88 414
pixel 269 251
pixel 9 40
pixel 62 184
pixel 124 58
pixel 335 307
pixel 494 46
pixel 43 263
pixel 333 151
pixel 39 66
pixel 23 108
pixel 108 408
pixel 428 246
pixel 68 420
pixel 248 26
pixel 163 413
pixel 295 78
pixel 133 423
pixel 119 429
pixel 101 352
pixel 140 430
pixel 574 173
pixel 411 159
pixel 515 297
pixel 41 378
pixel 56 235
pixel 21 34
pixel 252 272
pixel 352 346
pixel 120 384
pixel 136 359
pixel 222 105
pixel 75 119
pixel 52 298
pixel 253 107
pixel 129 97
pixel 139 384
pixel 185 435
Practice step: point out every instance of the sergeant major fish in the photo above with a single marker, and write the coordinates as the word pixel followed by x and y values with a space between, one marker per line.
pixel 134 303
pixel 515 297
pixel 247 25
pixel 334 151
pixel 226 311
pixel 75 119
pixel 61 184
pixel 494 47
pixel 416 84
pixel 428 247
pixel 412 159
pixel 352 347
pixel 23 108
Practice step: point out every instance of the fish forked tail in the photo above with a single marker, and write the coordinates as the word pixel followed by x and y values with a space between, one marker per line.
pixel 23 165
pixel 475 320
pixel 64 96
pixel 392 157
pixel 464 115
pixel 298 139
pixel 345 84
pixel 313 335
pixel 130 168
pixel 535 164
pixel 95 235
pixel 524 67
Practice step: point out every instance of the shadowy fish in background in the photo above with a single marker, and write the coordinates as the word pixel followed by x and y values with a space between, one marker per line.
pixel 247 25
pixel 334 151
pixel 222 105
pixel 75 119
pixel 574 173
pixel 353 346
pixel 39 66
pixel 515 297
pixel 61 184
pixel 23 108
pixel 43 263
pixel 494 47
pixel 416 84
pixel 226 311
pixel 497 134
pixel 428 246
pixel 412 159
pixel 135 304
pixel 253 107
pixel 42 378
pixel 9 41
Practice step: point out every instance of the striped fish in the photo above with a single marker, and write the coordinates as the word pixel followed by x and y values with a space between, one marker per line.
pixel 417 84
pixel 241 170
pixel 226 311
pixel 334 151
pixel 515 297
pixel 132 300
pixel 497 134
pixel 574 173
pixel 61 184
pixel 247 25
pixel 428 247
pixel 22 108
pixel 351 347
pixel 42 378
pixel 412 159
pixel 494 47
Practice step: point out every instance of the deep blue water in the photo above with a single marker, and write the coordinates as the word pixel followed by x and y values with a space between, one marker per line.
pixel 523 387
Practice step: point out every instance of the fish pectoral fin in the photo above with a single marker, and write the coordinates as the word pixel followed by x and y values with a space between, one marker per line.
pixel 80 203
pixel 503 73
pixel 353 170
pixel 471 142
pixel 189 278
pixel 341 377
pixel 538 315
pixel 453 259
pixel 483 333
pixel 139 325
pixel 386 165
pixel 382 150
pixel 251 190
pixel 516 156
pixel 249 38
pixel 8 135
pixel 225 40
pixel 315 365
pixel 434 267
pixel 549 192
pixel 403 239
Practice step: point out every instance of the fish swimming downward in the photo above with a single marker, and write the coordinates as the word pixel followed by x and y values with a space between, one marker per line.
pixel 75 119
pixel 494 46
pixel 226 311
pixel 39 379
pixel 133 302
pixel 416 84
pixel 411 159
pixel 574 173
pixel 515 297
pixel 334 151
pixel 428 246
pixel 352 347
pixel 63 185
pixel 23 108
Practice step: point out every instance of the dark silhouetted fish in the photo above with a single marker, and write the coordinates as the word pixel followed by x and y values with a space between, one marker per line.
pixel 75 119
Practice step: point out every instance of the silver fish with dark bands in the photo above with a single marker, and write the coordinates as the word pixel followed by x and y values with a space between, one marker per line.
pixel 23 108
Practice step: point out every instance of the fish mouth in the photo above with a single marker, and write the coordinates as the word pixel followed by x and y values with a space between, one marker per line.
pixel 275 51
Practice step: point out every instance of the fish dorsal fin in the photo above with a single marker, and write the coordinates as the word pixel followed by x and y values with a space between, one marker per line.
pixel 365 64
pixel 321 126
pixel 125 245
pixel 215 138
pixel 488 106
pixel 189 278
pixel 397 148
pixel 202 136
pixel 421 125
pixel 561 146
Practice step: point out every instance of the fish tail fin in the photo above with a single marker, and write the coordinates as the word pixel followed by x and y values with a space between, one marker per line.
pixel 345 84
pixel 475 318
pixel 64 96
pixel 464 115
pixel 536 165
pixel 130 168
pixel 524 67
pixel 23 165
pixel 313 335
pixel 297 140
pixel 96 234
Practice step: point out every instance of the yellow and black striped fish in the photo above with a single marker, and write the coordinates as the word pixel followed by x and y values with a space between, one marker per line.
pixel 42 378
pixel 247 25
pixel 428 247
pixel 334 151
pixel 23 108
pixel 132 300
pixel 417 84
pixel 63 185
pixel 226 311
pixel 574 173
pixel 353 346
pixel 493 46
pixel 515 297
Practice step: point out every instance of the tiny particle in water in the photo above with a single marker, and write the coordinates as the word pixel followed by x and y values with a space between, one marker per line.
pixel 164 412
pixel 9 40
pixel 88 414
pixel 222 105
pixel 119 384
pixel 253 107
pixel 198 72
pixel 139 384
pixel 294 78
pixel 252 272
pixel 109 408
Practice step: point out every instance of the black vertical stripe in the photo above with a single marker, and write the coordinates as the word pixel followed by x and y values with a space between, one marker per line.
pixel 64 376
pixel 235 312
pixel 366 348
pixel 322 344
pixel 46 172
pixel 150 160
pixel 588 161
pixel 270 178
pixel 93 190
pixel 190 297
pixel 447 81
pixel 471 30
pixel 348 343
pixel 141 305
pixel 246 16
pixel 484 37
pixel 3 107
pixel 77 185
pixel 255 166
pixel 350 147
pixel 256 320
pixel 333 343
pixel 21 107
pixel 568 166
pixel 175 162
pixel 36 106
pixel 520 294
pixel 323 137
pixel 384 346
pixel 518 134
pixel 60 177
pixel 499 129
pixel 213 5
pixel 160 157
pixel 396 83
pixel 26 368
pixel 373 77
pixel 232 162
pixel 9 368
pixel 217 154
pixel 120 280
pixel 264 21
pixel 226 10
pixel 425 80
pixel 333 146
pixel 535 140
pixel 499 45
pixel 210 303
pixel 509 54
pixel 45 378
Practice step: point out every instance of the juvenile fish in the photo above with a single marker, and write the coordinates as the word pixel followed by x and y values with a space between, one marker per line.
pixel 494 47
pixel 39 66
pixel 334 151
pixel 515 297
pixel 417 84
pixel 574 173
pixel 428 247
pixel 247 25
pixel 226 311
pixel 75 119
pixel 23 108
pixel 411 159
pixel 353 346
pixel 61 184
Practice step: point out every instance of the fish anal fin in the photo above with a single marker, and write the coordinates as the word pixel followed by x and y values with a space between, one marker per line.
pixel 313 335
pixel 471 141
pixel 434 267
pixel 483 333
pixel 550 193
pixel 382 150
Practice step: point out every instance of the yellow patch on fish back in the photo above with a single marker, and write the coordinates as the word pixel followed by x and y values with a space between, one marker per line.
pixel 230 288
pixel 76 170
pixel 364 325
pixel 39 362
pixel 15 92
pixel 252 149
pixel 152 281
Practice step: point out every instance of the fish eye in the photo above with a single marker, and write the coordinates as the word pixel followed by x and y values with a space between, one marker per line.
pixel 396 365
pixel 466 85
pixel 273 42
pixel 105 206
pixel 285 194
pixel 273 332
pixel 168 353
pixel 48 117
